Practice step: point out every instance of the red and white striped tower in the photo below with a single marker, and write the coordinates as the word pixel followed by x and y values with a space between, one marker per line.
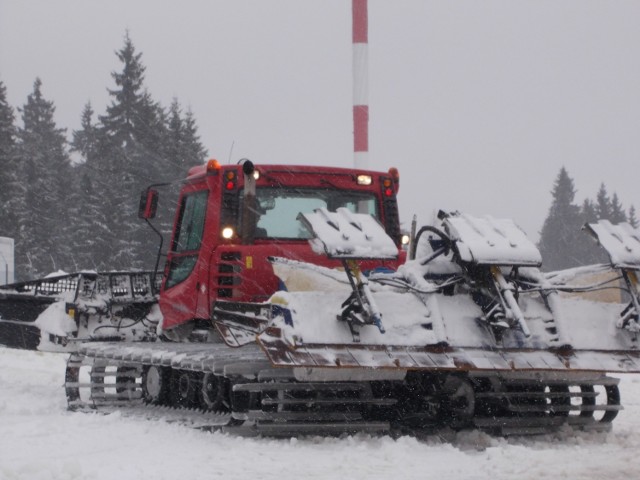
pixel 360 84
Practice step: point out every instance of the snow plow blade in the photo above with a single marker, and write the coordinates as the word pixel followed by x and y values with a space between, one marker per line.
pixel 481 305
pixel 54 313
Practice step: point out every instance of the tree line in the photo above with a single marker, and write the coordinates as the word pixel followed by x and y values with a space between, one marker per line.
pixel 562 244
pixel 74 215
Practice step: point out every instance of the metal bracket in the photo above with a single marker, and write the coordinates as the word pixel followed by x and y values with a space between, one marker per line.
pixel 360 308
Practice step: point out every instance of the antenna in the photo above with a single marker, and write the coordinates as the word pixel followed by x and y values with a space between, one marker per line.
pixel 233 142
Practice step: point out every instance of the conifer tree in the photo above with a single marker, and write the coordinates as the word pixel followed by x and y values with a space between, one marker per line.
pixel 560 235
pixel 617 211
pixel 603 204
pixel 175 134
pixel 194 152
pixel 589 211
pixel 45 167
pixel 631 217
pixel 183 149
pixel 8 167
pixel 85 141
pixel 122 115
pixel 135 143
pixel 91 233
pixel 129 150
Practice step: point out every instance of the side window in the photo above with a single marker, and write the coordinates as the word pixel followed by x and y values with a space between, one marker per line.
pixel 191 222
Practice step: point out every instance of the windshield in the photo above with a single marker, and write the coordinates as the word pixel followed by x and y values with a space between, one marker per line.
pixel 278 208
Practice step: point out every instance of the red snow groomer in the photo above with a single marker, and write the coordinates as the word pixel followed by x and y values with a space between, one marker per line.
pixel 287 306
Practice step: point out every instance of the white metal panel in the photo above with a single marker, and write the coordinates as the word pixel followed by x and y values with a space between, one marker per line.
pixel 491 241
pixel 344 234
pixel 622 242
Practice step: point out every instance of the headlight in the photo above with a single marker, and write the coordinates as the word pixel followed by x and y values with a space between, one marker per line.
pixel 364 180
pixel 227 233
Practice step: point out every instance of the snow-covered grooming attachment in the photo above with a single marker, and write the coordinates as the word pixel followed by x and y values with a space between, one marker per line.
pixel 622 243
pixel 54 313
pixel 351 237
pixel 483 245
pixel 490 241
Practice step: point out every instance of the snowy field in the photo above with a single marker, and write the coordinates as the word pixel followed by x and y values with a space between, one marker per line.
pixel 40 439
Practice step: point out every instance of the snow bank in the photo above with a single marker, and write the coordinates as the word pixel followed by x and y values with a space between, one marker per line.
pixel 40 440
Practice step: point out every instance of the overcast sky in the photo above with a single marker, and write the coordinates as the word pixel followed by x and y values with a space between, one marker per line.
pixel 478 103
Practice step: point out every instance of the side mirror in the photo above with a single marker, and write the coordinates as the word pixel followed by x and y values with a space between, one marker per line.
pixel 148 204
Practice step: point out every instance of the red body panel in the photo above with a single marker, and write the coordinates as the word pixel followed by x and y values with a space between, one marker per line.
pixel 230 270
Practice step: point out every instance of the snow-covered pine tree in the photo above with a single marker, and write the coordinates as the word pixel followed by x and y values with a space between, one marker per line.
pixel 91 235
pixel 560 236
pixel 45 175
pixel 194 153
pixel 174 140
pixel 85 140
pixel 122 114
pixel 603 203
pixel 8 167
pixel 134 144
pixel 182 147
pixel 631 217
pixel 589 211
pixel 131 131
pixel 618 214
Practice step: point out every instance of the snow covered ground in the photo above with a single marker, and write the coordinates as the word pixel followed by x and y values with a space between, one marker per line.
pixel 40 439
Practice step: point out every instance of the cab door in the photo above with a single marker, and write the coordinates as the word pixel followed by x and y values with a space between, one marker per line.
pixel 181 287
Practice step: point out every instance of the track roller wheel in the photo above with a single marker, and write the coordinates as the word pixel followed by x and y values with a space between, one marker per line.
pixel 126 378
pixel 613 399
pixel 184 388
pixel 155 384
pixel 559 400
pixel 458 400
pixel 97 379
pixel 72 382
pixel 213 393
